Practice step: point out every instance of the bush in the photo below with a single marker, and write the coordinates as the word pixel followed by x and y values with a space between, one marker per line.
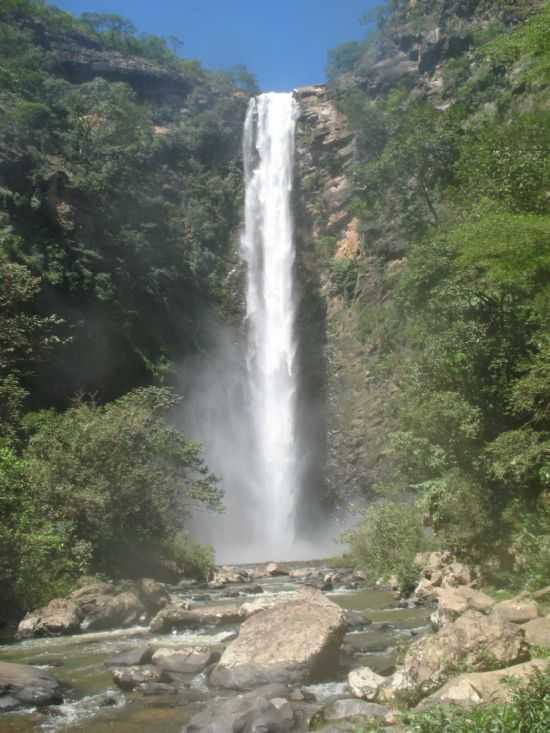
pixel 192 559
pixel 387 540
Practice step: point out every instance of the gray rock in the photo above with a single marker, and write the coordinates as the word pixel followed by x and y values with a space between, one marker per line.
pixel 537 631
pixel 180 616
pixel 133 658
pixel 263 710
pixel 185 660
pixel 28 686
pixel 129 678
pixel 153 595
pixel 352 708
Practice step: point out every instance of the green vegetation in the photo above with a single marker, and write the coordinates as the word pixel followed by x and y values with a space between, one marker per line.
pixel 119 199
pixel 529 711
pixel 457 184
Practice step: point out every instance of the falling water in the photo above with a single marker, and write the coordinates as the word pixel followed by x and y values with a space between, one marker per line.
pixel 268 249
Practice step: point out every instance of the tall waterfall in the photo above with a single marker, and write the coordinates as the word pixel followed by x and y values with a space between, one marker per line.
pixel 268 248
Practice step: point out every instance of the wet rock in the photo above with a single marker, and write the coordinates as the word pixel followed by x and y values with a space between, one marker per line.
pixel 25 686
pixel 300 573
pixel 185 660
pixel 152 689
pixel 60 616
pixel 537 631
pixel 357 619
pixel 180 616
pixel 132 658
pixel 319 583
pixel 475 640
pixel 111 611
pixel 261 604
pixel 290 642
pixel 517 610
pixel 275 569
pixel 365 683
pixel 476 688
pixel 343 709
pixel 129 678
pixel 265 709
pixel 227 575
pixel 153 594
pixel 254 590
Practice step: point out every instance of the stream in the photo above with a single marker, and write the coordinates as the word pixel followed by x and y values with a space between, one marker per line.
pixel 93 704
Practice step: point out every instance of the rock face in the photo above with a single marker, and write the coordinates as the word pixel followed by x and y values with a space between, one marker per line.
pixel 24 686
pixel 265 709
pixel 290 642
pixel 475 640
pixel 484 687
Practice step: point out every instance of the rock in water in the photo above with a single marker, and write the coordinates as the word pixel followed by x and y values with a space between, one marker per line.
pixel 60 616
pixel 365 683
pixel 291 642
pixel 25 686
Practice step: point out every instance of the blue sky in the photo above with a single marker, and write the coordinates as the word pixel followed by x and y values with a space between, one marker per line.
pixel 283 42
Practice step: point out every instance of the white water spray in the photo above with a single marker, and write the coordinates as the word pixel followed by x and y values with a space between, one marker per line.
pixel 268 248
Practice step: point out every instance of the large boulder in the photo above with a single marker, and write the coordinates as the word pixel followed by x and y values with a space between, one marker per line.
pixel 474 688
pixel 474 640
pixel 25 686
pixel 518 610
pixel 111 611
pixel 184 660
pixel 291 642
pixel 153 595
pixel 180 616
pixel 537 631
pixel 261 604
pixel 60 616
pixel 265 709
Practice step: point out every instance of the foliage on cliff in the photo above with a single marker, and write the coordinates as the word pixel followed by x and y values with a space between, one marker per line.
pixel 451 189
pixel 120 189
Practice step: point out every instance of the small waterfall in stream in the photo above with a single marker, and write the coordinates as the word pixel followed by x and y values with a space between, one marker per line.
pixel 268 247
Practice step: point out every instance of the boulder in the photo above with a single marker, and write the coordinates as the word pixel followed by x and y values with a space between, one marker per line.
pixel 132 658
pixel 517 610
pixel 343 709
pixel 111 611
pixel 356 619
pixel 542 595
pixel 179 616
pixel 153 595
pixel 476 688
pixel 365 683
pixel 475 640
pixel 129 678
pixel 291 642
pixel 184 660
pixel 274 569
pixel 453 602
pixel 227 575
pixel 25 686
pixel 60 616
pixel 300 573
pixel 261 604
pixel 537 631
pixel 265 709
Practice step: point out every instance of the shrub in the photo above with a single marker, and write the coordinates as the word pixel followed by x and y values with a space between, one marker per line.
pixel 387 540
pixel 192 559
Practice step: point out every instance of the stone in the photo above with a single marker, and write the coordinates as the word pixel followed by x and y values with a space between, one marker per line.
pixel 227 575
pixel 153 594
pixel 263 710
pixel 474 639
pixel 542 595
pixel 342 709
pixel 453 602
pixel 132 658
pixel 517 610
pixel 111 611
pixel 357 619
pixel 261 604
pixel 254 590
pixel 300 573
pixel 180 616
pixel 426 590
pixel 274 569
pixel 537 631
pixel 129 678
pixel 185 660
pixel 290 642
pixel 365 683
pixel 60 616
pixel 476 688
pixel 24 686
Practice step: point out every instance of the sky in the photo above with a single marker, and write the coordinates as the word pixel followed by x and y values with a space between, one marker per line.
pixel 283 42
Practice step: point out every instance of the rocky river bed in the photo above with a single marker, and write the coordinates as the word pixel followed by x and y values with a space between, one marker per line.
pixel 378 628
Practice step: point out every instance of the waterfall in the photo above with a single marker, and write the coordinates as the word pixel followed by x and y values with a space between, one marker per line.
pixel 267 246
